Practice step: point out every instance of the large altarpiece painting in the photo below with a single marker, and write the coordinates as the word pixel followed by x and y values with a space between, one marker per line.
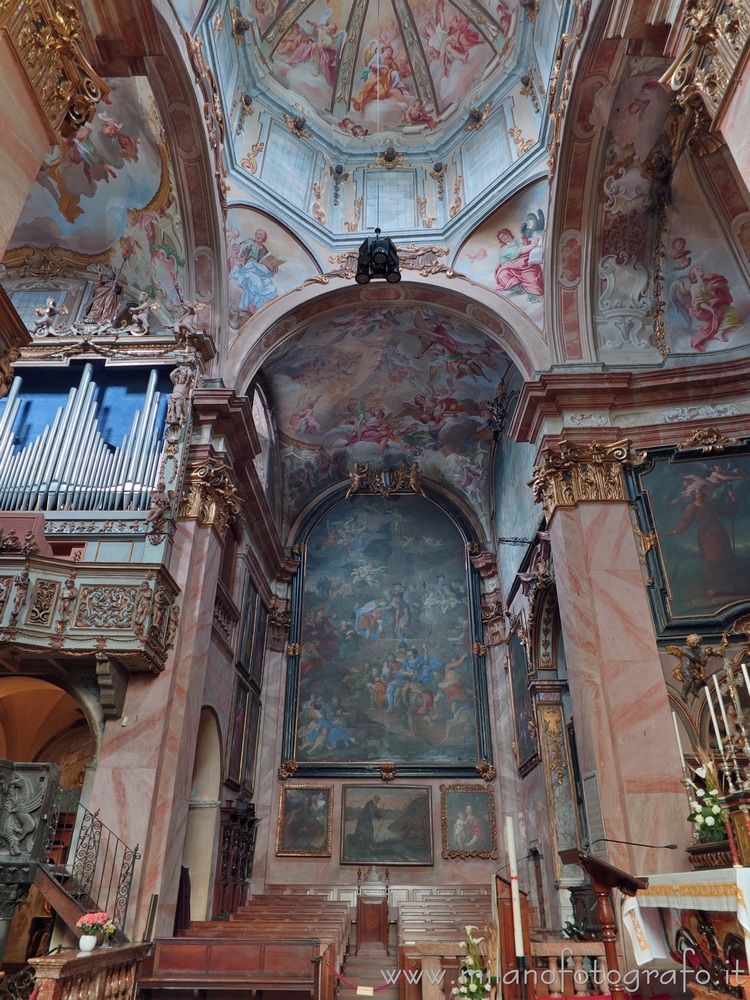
pixel 384 666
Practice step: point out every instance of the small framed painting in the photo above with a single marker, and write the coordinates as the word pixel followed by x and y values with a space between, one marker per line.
pixel 467 820
pixel 390 826
pixel 304 829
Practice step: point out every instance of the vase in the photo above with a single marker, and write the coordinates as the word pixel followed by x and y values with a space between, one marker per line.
pixel 87 942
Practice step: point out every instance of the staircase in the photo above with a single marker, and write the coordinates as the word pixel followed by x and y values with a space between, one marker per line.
pixel 366 969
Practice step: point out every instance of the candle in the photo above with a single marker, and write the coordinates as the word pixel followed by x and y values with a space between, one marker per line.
pixel 718 734
pixel 744 674
pixel 515 895
pixel 679 744
pixel 721 706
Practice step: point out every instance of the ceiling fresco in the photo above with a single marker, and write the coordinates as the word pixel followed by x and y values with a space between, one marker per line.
pixel 364 67
pixel 106 196
pixel 383 386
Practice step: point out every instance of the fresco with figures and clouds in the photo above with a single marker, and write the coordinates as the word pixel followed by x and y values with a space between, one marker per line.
pixel 264 261
pixel 506 252
pixel 383 386
pixel 107 191
pixel 394 65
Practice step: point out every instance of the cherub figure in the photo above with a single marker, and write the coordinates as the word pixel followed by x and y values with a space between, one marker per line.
pixel 185 325
pixel 140 315
pixel 693 660
pixel 47 314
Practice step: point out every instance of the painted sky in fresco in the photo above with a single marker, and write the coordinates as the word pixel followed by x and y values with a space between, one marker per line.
pixel 382 386
pixel 506 252
pixel 87 186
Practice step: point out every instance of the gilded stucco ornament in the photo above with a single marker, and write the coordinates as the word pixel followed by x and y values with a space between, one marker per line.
pixel 46 37
pixel 385 482
pixel 210 497
pixel 581 473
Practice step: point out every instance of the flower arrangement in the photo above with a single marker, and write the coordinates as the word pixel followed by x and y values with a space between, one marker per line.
pixel 96 923
pixel 705 809
pixel 474 981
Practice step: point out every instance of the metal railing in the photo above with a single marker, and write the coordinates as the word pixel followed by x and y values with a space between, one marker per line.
pixel 88 861
pixel 20 985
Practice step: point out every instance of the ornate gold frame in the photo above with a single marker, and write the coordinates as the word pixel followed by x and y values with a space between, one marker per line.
pixel 449 851
pixel 321 852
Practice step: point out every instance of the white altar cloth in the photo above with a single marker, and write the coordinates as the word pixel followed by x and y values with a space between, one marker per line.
pixel 725 890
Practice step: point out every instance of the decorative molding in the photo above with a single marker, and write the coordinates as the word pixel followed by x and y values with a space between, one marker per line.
pixel 287 770
pixel 493 623
pixel 554 742
pixel 590 473
pixel 210 497
pixel 388 770
pixel 385 482
pixel 486 770
pixel 477 117
pixel 710 60
pixel 708 440
pixel 46 37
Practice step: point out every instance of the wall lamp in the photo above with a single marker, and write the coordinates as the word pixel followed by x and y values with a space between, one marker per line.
pixel 378 258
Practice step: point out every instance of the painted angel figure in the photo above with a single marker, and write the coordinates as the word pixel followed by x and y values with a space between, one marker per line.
pixel 328 40
pixel 516 272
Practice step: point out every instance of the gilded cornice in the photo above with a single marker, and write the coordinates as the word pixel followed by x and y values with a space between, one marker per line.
pixel 46 38
pixel 588 473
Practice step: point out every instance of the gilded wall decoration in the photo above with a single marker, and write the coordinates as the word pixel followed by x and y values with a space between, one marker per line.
pixel 580 473
pixel 106 607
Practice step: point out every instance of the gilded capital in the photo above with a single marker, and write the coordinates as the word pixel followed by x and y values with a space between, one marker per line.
pixel 580 473
pixel 210 496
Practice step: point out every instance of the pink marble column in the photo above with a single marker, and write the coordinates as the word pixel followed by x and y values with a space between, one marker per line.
pixel 142 782
pixel 621 712
pixel 25 141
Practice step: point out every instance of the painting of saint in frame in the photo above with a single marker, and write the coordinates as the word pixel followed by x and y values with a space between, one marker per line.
pixel 699 510
pixel 391 826
pixel 304 829
pixel 526 742
pixel 467 820
pixel 386 669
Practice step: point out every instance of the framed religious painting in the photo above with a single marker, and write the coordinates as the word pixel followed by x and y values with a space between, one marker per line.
pixel 389 826
pixel 526 742
pixel 693 524
pixel 385 658
pixel 467 821
pixel 235 749
pixel 304 826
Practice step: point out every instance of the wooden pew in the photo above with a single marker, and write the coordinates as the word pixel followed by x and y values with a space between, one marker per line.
pixel 242 966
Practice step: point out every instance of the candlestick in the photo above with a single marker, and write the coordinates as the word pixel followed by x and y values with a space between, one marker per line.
pixel 715 722
pixel 679 745
pixel 515 895
pixel 730 741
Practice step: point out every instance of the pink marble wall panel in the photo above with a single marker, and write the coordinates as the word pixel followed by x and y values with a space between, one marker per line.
pixel 620 707
pixel 25 142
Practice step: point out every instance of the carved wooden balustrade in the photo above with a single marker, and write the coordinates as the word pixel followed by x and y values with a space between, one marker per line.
pixel 572 968
pixel 109 973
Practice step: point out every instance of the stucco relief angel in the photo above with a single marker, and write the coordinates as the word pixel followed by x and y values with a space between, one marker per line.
pixel 17 820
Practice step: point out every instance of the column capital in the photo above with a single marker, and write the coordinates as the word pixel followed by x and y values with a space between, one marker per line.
pixel 580 473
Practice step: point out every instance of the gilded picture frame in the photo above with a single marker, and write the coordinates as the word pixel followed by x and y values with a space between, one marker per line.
pixel 234 760
pixel 526 741
pixel 467 821
pixel 304 828
pixel 388 826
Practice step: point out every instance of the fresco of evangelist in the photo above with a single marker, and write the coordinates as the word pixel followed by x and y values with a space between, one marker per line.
pixel 506 252
pixel 707 298
pixel 263 260
pixel 385 666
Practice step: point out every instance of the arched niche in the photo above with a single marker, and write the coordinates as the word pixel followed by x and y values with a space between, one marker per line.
pixel 203 813
pixel 385 662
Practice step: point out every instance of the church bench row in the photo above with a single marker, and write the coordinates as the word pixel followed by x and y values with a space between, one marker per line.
pixel 241 966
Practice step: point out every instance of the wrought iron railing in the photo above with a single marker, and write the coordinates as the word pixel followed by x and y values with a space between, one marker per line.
pixel 88 861
pixel 19 986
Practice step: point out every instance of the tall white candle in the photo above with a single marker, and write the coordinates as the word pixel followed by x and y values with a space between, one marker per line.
pixel 679 743
pixel 744 674
pixel 714 721
pixel 515 895
pixel 721 706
